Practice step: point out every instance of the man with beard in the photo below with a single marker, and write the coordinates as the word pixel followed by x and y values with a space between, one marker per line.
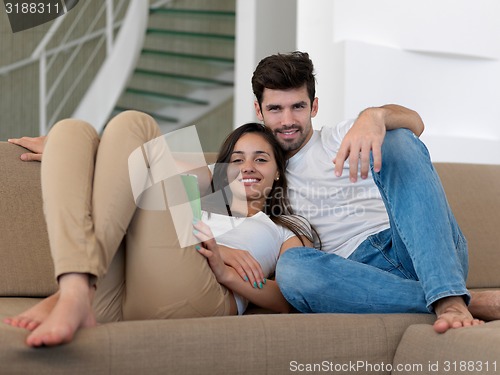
pixel 389 241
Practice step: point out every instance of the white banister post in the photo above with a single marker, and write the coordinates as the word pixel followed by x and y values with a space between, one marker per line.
pixel 42 112
pixel 109 83
pixel 109 26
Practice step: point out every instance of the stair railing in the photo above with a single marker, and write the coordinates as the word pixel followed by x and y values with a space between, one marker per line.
pixel 121 55
pixel 101 97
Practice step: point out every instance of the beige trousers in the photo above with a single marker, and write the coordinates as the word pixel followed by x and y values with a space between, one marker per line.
pixel 95 227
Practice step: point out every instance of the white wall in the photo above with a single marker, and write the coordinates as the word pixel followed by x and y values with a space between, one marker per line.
pixel 438 57
pixel 264 27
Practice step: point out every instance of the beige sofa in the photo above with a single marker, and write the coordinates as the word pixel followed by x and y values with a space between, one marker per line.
pixel 257 343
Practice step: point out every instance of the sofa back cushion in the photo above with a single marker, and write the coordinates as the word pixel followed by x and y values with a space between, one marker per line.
pixel 473 193
pixel 25 266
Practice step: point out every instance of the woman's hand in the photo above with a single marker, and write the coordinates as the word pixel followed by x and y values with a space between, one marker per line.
pixel 241 261
pixel 209 249
pixel 244 264
pixel 35 145
pixel 269 297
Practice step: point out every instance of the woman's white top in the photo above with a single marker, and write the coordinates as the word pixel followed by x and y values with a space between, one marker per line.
pixel 257 234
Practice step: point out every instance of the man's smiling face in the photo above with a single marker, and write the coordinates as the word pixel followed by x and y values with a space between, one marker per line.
pixel 288 114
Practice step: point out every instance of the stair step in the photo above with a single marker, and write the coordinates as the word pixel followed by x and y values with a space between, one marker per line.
pixel 183 77
pixel 204 12
pixel 203 71
pixel 172 88
pixel 162 95
pixel 165 85
pixel 190 34
pixel 199 23
pixel 149 104
pixel 183 44
pixel 169 54
pixel 156 116
pixel 219 5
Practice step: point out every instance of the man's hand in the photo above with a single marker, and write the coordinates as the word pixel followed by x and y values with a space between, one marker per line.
pixel 34 144
pixel 367 135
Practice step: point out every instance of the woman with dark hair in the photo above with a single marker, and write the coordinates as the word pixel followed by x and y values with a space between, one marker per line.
pixel 251 159
pixel 90 211
pixel 276 206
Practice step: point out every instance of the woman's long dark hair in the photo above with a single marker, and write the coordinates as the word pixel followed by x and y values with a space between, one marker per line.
pixel 277 205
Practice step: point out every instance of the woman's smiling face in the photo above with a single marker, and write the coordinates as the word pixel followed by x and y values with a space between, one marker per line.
pixel 252 171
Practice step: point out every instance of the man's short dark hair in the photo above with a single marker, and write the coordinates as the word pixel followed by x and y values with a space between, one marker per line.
pixel 284 71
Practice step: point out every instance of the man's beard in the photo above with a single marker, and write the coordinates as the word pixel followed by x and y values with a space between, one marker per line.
pixel 290 145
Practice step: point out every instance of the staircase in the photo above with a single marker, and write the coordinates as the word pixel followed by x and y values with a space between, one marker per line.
pixel 186 68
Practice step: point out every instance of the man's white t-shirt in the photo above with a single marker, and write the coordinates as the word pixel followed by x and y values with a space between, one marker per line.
pixel 343 213
pixel 258 234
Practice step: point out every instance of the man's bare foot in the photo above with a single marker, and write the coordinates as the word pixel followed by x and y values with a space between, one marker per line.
pixel 72 310
pixel 452 312
pixel 31 318
pixel 485 304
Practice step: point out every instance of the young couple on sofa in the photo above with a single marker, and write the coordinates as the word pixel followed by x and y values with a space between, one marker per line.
pixel 381 239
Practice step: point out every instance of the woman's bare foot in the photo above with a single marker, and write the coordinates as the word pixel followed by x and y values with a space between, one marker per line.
pixel 72 310
pixel 485 304
pixel 31 318
pixel 452 312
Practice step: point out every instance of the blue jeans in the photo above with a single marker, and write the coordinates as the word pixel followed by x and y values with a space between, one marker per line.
pixel 420 259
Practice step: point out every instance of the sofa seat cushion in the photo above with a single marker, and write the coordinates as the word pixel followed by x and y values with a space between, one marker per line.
pixel 253 344
pixel 10 306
